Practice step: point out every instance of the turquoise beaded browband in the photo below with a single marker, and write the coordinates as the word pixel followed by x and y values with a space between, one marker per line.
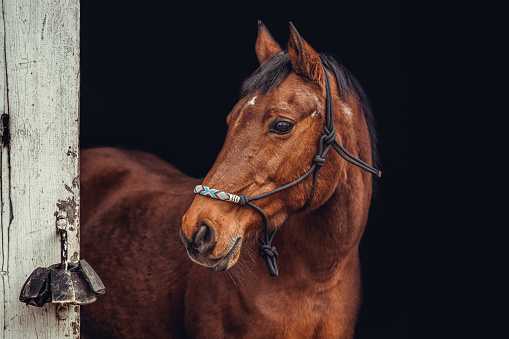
pixel 327 140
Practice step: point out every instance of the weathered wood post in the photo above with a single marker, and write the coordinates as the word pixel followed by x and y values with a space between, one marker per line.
pixel 39 128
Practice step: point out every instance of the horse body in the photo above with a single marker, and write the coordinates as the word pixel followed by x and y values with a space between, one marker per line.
pixel 131 219
pixel 134 205
pixel 131 207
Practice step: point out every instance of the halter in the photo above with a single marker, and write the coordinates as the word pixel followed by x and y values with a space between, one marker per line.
pixel 327 140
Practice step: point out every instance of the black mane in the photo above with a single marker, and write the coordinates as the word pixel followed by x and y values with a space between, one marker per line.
pixel 275 69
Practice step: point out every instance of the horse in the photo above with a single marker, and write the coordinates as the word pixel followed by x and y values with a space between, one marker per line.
pixel 178 262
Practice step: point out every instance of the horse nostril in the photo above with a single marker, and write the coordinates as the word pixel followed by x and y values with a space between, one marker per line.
pixel 201 235
pixel 203 239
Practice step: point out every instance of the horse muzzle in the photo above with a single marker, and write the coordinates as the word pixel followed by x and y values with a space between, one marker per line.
pixel 202 244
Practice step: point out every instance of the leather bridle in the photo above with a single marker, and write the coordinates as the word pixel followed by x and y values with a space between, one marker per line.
pixel 327 140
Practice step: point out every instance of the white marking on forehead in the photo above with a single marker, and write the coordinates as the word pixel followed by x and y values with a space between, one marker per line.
pixel 314 113
pixel 347 109
pixel 252 101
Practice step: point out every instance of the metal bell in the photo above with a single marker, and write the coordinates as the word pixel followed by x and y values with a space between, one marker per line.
pixel 62 283
pixel 78 285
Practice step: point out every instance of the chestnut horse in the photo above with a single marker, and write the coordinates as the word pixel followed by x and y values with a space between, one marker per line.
pixel 137 210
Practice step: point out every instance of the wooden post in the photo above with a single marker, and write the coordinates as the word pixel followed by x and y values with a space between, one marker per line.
pixel 39 158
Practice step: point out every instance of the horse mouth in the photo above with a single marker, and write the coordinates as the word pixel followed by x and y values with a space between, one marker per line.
pixel 220 264
pixel 226 262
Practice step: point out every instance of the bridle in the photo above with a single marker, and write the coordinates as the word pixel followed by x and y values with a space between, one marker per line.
pixel 327 140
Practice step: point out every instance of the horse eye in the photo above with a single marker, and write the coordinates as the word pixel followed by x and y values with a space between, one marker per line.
pixel 281 127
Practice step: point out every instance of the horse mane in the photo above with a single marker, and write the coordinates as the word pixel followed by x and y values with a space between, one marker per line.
pixel 278 66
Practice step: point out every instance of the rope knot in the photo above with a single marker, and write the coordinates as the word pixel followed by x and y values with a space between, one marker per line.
pixel 243 199
pixel 319 160
pixel 267 251
pixel 330 135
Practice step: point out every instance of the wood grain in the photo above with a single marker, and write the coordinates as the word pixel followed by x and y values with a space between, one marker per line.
pixel 39 86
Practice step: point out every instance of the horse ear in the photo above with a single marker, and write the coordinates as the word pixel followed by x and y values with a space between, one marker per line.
pixel 305 60
pixel 265 43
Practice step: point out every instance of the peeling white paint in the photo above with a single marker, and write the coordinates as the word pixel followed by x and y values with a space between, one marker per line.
pixel 38 169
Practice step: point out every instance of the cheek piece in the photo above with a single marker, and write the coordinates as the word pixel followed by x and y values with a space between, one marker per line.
pixel 327 140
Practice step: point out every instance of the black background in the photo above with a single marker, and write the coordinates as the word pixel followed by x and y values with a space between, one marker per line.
pixel 162 77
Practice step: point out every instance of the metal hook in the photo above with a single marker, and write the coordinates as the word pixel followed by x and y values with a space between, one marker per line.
pixel 61 224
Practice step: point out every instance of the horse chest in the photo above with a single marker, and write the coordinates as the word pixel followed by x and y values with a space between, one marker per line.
pixel 259 312
pixel 303 314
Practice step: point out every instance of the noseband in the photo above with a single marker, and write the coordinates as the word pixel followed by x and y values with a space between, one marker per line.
pixel 327 140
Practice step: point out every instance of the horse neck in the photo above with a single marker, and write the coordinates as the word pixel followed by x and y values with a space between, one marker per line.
pixel 318 243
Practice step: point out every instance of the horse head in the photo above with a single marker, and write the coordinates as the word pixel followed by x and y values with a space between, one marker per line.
pixel 273 135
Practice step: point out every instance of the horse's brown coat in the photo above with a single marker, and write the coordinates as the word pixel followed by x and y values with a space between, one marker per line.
pixel 133 204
